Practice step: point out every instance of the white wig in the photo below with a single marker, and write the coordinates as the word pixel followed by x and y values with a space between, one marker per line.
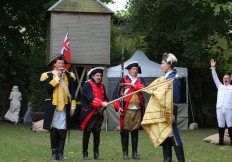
pixel 170 58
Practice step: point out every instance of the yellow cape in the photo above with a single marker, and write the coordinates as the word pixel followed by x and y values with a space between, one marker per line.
pixel 157 120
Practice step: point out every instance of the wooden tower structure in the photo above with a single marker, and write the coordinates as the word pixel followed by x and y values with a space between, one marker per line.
pixel 89 25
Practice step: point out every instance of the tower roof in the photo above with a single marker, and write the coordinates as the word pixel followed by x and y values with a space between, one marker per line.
pixel 87 6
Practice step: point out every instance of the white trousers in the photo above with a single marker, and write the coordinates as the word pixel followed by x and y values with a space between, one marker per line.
pixel 224 116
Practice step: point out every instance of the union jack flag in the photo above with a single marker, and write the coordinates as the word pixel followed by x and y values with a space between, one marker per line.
pixel 65 50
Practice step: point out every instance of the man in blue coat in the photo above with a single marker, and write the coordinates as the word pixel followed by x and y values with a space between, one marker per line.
pixel 168 62
pixel 60 104
pixel 94 102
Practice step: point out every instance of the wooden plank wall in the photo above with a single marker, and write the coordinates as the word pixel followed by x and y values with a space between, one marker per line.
pixel 89 36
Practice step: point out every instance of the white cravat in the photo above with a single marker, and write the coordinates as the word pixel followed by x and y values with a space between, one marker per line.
pixel 133 80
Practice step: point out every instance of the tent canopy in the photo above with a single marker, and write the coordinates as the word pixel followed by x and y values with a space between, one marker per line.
pixel 148 67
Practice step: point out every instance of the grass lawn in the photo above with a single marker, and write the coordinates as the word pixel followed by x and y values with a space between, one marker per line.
pixel 19 144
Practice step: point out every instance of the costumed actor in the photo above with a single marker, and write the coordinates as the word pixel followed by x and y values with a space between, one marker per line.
pixel 168 62
pixel 224 103
pixel 94 102
pixel 60 104
pixel 131 108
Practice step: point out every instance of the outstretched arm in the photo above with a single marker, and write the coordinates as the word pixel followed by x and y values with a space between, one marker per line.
pixel 214 73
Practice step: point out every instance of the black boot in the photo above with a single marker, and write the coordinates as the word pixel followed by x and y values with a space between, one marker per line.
pixel 179 153
pixel 62 137
pixel 167 150
pixel 85 144
pixel 96 142
pixel 134 141
pixel 221 136
pixel 230 135
pixel 54 154
pixel 54 137
pixel 124 141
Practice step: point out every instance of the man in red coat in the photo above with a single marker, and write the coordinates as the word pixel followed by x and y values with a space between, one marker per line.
pixel 94 102
pixel 131 108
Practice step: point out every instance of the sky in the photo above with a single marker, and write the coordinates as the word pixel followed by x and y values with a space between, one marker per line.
pixel 118 5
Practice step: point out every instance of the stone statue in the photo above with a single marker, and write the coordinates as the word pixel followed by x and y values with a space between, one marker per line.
pixel 15 105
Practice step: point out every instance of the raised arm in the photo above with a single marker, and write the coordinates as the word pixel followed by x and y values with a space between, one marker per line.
pixel 214 73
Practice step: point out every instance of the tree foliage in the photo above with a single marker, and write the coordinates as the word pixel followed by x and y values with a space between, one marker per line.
pixel 123 38
pixel 190 29
pixel 23 44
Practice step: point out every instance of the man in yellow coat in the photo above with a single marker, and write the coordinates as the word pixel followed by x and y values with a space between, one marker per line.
pixel 60 104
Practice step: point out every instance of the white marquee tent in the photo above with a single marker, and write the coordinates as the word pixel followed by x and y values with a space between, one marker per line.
pixel 150 71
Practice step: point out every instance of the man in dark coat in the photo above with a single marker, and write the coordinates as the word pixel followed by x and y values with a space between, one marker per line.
pixel 169 60
pixel 94 102
pixel 60 104
pixel 131 108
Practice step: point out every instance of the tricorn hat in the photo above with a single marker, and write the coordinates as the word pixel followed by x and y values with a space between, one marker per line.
pixel 58 57
pixel 134 64
pixel 95 70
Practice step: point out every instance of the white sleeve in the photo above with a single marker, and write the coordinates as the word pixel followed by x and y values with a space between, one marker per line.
pixel 73 107
pixel 215 78
pixel 57 79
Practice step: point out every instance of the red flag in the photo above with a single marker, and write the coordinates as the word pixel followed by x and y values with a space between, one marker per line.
pixel 65 50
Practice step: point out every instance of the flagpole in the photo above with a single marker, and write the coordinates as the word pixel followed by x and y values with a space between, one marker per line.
pixel 143 89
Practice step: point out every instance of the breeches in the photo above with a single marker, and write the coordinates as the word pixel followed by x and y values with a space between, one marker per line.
pixel 132 119
pixel 224 116
pixel 94 123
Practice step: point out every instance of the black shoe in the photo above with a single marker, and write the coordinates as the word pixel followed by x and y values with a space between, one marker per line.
pixel 85 156
pixel 96 155
pixel 135 156
pixel 54 155
pixel 60 157
pixel 125 156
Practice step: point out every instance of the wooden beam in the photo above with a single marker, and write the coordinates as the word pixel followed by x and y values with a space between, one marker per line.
pixel 80 81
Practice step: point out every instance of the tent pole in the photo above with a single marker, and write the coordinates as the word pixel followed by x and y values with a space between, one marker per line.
pixel 187 89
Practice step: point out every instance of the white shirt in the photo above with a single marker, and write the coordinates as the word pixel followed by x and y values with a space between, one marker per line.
pixel 224 95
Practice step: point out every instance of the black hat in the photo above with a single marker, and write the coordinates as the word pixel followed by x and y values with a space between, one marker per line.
pixel 169 58
pixel 58 57
pixel 95 70
pixel 134 64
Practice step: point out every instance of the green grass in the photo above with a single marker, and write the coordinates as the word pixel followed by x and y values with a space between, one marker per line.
pixel 20 144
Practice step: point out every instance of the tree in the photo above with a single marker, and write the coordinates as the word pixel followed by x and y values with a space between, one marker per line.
pixel 189 29
pixel 23 43
pixel 123 38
